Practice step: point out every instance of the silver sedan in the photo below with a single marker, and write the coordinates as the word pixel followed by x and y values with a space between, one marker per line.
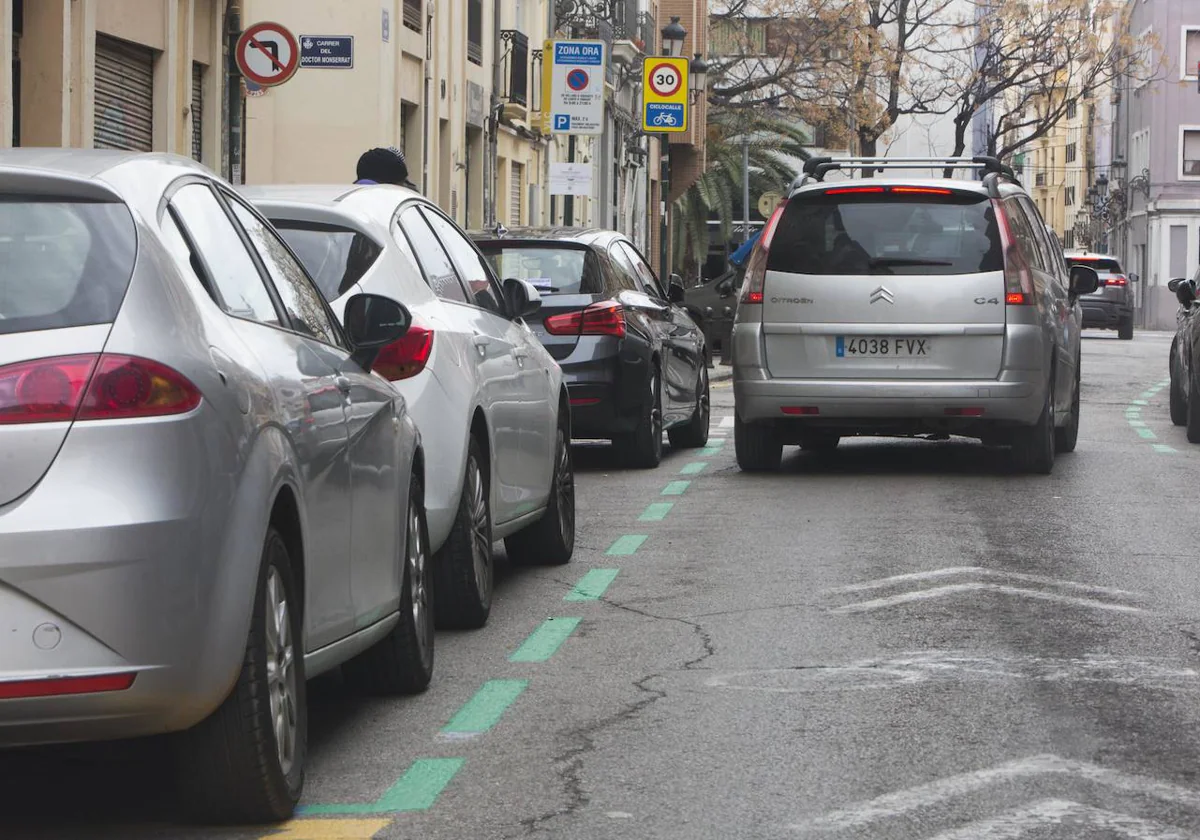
pixel 206 497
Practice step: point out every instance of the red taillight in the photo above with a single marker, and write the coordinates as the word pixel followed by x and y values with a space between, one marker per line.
pixel 585 400
pixel 800 410
pixel 964 412
pixel 92 387
pixel 1116 280
pixel 65 685
pixel 920 191
pixel 1018 279
pixel 852 190
pixel 405 357
pixel 756 267
pixel 604 318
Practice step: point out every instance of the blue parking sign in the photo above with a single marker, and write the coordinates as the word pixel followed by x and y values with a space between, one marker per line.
pixel 562 122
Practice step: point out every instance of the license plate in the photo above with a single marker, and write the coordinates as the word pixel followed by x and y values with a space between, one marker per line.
pixel 881 348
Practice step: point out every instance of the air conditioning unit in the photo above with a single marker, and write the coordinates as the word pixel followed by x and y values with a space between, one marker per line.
pixel 1191 167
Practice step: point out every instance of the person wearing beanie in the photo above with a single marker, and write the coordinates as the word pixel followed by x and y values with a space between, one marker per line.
pixel 383 166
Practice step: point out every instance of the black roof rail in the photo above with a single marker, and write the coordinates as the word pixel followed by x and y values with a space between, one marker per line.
pixel 818 167
pixel 810 165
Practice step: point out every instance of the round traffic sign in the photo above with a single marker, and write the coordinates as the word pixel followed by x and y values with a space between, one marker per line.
pixel 665 80
pixel 267 54
pixel 577 79
pixel 767 203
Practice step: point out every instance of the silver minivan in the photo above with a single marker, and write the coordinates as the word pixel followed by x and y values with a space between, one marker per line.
pixel 905 307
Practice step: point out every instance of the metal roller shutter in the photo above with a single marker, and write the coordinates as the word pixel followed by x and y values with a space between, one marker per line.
pixel 197 111
pixel 518 169
pixel 124 95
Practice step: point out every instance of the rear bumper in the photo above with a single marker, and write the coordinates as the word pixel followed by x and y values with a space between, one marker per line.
pixel 606 384
pixel 1104 314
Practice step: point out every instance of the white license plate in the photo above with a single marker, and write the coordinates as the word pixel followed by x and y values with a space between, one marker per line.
pixel 868 347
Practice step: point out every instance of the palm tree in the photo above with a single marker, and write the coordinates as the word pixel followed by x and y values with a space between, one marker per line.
pixel 774 145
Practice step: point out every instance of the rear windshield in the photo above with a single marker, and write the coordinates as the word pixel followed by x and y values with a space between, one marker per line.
pixel 335 257
pixel 62 263
pixel 886 235
pixel 1102 266
pixel 551 270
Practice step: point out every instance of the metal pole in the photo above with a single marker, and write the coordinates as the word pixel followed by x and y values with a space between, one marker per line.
pixel 569 200
pixel 745 187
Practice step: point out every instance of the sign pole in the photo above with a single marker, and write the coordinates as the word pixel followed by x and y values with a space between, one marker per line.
pixel 746 187
pixel 569 200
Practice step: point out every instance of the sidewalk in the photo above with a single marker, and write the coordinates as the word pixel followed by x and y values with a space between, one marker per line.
pixel 720 372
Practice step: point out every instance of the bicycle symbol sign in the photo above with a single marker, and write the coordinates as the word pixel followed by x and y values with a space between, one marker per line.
pixel 665 116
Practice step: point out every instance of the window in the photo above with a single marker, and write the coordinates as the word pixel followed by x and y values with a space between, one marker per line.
pixel 625 274
pixel 227 263
pixel 1189 52
pixel 1139 151
pixel 336 257
pixel 1072 152
pixel 1072 109
pixel 412 15
pixel 645 275
pixel 475 31
pixel 1049 250
pixel 435 265
pixel 1070 196
pixel 1189 146
pixel 552 269
pixel 300 298
pixel 472 267
pixel 1022 221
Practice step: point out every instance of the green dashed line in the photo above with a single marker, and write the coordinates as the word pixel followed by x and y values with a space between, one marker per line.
pixel 656 512
pixel 694 468
pixel 483 711
pixel 1139 402
pixel 592 586
pixel 676 488
pixel 1146 434
pixel 1164 449
pixel 1137 423
pixel 710 451
pixel 626 545
pixel 417 790
pixel 545 640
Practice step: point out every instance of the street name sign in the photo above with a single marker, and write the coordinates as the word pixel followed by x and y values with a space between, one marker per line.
pixel 327 51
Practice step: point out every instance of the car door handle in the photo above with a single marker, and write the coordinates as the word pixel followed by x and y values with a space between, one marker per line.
pixel 343 384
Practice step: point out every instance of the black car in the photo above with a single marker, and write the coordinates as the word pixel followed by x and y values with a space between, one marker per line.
pixel 713 304
pixel 632 357
pixel 1184 362
pixel 1111 306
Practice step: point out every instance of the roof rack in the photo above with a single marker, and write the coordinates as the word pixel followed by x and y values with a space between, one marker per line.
pixel 816 168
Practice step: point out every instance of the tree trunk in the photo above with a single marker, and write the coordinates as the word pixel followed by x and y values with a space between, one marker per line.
pixel 868 145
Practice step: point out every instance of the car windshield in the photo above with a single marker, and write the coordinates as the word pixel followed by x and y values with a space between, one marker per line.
pixel 335 257
pixel 1102 266
pixel 62 263
pixel 850 234
pixel 551 270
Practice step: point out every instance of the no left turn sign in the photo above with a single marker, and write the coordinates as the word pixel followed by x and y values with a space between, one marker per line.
pixel 267 54
pixel 665 80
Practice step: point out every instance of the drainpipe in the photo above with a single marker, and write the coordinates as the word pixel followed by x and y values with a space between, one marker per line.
pixel 428 95
pixel 491 188
pixel 233 105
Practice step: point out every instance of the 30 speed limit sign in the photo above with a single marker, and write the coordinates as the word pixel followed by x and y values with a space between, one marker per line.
pixel 665 86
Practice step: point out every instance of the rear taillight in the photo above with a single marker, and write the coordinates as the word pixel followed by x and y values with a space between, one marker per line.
pixel 1018 279
pixel 58 686
pixel 756 268
pixel 92 387
pixel 405 357
pixel 604 318
pixel 1116 280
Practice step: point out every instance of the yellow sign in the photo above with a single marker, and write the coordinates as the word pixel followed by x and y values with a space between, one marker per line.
pixel 665 95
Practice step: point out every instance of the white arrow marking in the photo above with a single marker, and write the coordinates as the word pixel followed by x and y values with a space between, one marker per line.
pixel 978 571
pixel 891 805
pixel 957 588
pixel 1017 823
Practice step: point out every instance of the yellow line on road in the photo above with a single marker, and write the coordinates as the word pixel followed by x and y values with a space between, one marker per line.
pixel 318 829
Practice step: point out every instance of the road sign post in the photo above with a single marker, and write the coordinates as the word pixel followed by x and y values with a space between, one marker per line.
pixel 665 95
pixel 267 54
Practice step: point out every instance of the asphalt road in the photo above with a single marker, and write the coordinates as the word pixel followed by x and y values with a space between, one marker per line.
pixel 902 640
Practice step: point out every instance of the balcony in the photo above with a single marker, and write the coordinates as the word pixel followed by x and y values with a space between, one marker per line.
pixel 515 74
pixel 1039 180
pixel 626 46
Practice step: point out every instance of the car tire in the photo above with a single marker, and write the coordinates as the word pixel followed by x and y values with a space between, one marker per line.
pixel 757 446
pixel 643 448
pixel 464 569
pixel 1179 402
pixel 551 540
pixel 402 661
pixel 1066 437
pixel 1033 446
pixel 820 443
pixel 1125 329
pixel 244 764
pixel 1193 410
pixel 694 433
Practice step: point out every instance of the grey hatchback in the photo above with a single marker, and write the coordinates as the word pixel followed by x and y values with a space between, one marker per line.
pixel 1110 307
pixel 205 495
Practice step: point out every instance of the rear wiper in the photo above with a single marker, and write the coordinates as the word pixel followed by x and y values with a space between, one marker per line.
pixel 880 262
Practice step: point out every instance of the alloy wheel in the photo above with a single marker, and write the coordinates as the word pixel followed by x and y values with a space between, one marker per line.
pixel 416 560
pixel 566 491
pixel 281 670
pixel 481 538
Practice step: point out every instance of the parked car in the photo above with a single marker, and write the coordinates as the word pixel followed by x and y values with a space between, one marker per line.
pixel 899 306
pixel 712 305
pixel 488 398
pixel 206 497
pixel 632 357
pixel 1110 307
pixel 1184 361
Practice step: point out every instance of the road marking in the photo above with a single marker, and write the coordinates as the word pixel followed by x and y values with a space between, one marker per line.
pixel 543 642
pixel 417 790
pixel 1137 424
pixel 1164 449
pixel 1146 434
pixel 676 488
pixel 959 588
pixel 727 422
pixel 483 711
pixel 1140 402
pixel 978 571
pixel 592 586
pixel 626 545
pixel 656 512
pixel 1019 822
pixel 709 452
pixel 327 830
pixel 891 805
pixel 694 468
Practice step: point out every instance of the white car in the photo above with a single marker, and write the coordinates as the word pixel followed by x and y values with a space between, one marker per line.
pixel 488 398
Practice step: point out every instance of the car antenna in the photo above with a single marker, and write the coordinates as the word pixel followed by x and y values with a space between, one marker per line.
pixel 501 230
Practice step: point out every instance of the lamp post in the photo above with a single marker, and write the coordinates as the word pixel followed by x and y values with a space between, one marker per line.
pixel 673 36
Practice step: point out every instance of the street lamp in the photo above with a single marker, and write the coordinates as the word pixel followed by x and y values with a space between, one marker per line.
pixel 699 75
pixel 673 35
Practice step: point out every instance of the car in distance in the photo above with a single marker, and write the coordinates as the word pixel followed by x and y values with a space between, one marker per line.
pixel 632 357
pixel 1110 307
pixel 489 400
pixel 905 306
pixel 207 496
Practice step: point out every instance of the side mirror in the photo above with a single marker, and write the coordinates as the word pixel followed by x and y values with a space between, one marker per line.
pixel 1173 284
pixel 1133 278
pixel 1185 293
pixel 675 290
pixel 521 298
pixel 1084 280
pixel 372 322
